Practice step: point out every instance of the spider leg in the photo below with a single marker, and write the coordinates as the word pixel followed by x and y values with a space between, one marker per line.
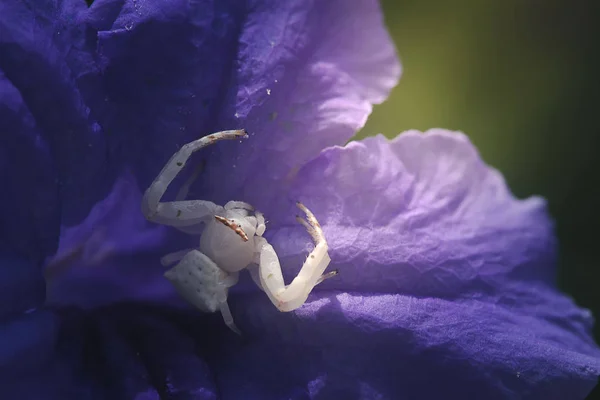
pixel 182 195
pixel 292 296
pixel 182 212
pixel 185 188
pixel 228 280
pixel 228 318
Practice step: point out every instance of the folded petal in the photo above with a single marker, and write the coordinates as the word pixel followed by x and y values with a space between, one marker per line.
pixel 308 74
pixel 469 270
pixel 421 215
pixel 113 255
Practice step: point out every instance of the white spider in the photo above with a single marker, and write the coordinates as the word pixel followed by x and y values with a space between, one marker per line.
pixel 231 240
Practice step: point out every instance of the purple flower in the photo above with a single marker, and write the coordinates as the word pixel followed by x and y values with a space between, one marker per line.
pixel 446 281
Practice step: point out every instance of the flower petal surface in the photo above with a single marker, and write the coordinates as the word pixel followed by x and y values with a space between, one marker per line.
pixel 445 285
pixel 299 76
pixel 168 72
pixel 125 351
pixel 43 55
pixel 34 159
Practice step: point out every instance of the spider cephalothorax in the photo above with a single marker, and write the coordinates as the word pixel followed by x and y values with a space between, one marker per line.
pixel 231 240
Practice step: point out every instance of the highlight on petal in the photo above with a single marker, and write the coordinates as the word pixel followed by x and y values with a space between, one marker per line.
pixel 308 76
pixel 422 215
pixel 448 283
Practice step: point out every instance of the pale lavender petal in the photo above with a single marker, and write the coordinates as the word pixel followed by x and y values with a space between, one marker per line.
pixel 308 74
pixel 469 270
pixel 421 214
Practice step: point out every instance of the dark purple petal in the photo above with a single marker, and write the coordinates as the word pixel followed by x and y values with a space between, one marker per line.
pixel 29 221
pixel 113 255
pixel 28 232
pixel 163 69
pixel 22 286
pixel 42 56
pixel 26 344
pixel 123 352
pixel 30 217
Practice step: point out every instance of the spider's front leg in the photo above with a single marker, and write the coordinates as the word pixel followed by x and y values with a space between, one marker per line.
pixel 182 213
pixel 292 296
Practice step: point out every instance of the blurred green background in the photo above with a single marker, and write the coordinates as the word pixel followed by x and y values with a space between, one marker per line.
pixel 520 77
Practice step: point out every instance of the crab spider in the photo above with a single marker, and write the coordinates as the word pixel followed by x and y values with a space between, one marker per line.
pixel 231 240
